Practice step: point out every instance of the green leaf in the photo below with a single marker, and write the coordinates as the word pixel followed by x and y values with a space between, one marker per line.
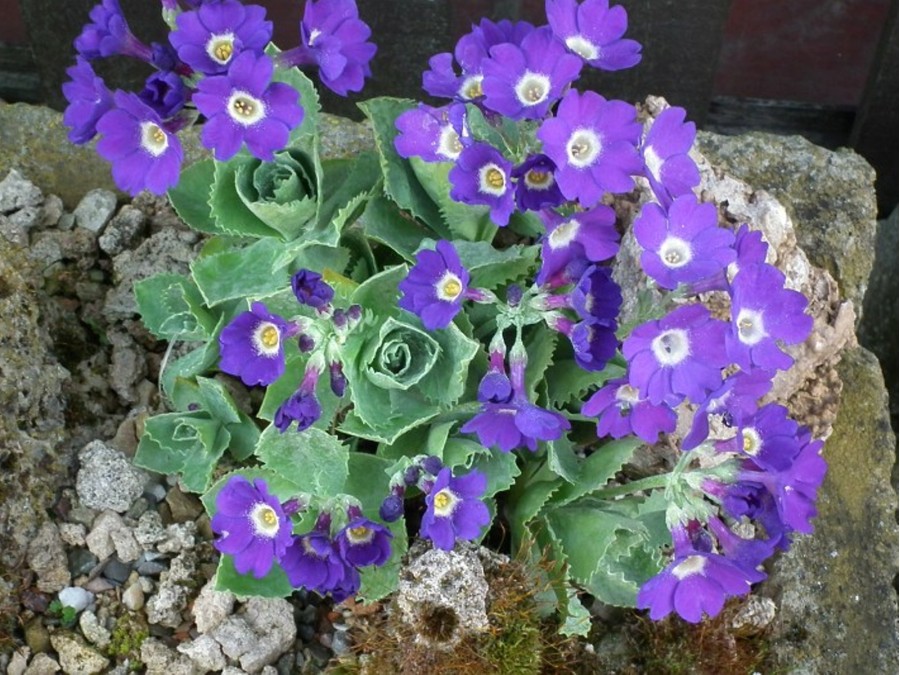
pixel 490 267
pixel 189 444
pixel 597 469
pixel 190 198
pixel 576 619
pixel 274 585
pixel 277 485
pixel 218 401
pixel 312 459
pixel 400 182
pixel 501 469
pixel 567 382
pixel 539 344
pixel 467 222
pixel 244 437
pixel 254 271
pixel 282 388
pixel 525 505
pixel 384 222
pixel 228 208
pixel 186 367
pixel 172 308
pixel 348 182
pixel 562 459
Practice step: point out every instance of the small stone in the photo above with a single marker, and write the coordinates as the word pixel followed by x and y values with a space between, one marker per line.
pixel 16 192
pixel 236 636
pixel 161 660
pixel 72 533
pixel 81 561
pixel 66 222
pixel 340 643
pixel 179 537
pixel 150 568
pixel 165 606
pixel 133 597
pixel 51 211
pixel 13 232
pixel 116 571
pixel 76 658
pixel 95 210
pixel 42 664
pixel 93 632
pixel 205 652
pixel 183 507
pixel 99 540
pixel 755 616
pixel 127 548
pixel 27 217
pixel 98 585
pixel 272 619
pixel 123 231
pixel 76 597
pixel 155 492
pixel 137 509
pixel 306 632
pixel 128 367
pixel 47 557
pixel 211 607
pixel 82 515
pixel 19 661
pixel 107 480
pixel 37 637
pixel 149 530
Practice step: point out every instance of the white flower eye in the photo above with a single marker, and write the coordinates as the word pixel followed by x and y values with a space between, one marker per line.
pixel 671 347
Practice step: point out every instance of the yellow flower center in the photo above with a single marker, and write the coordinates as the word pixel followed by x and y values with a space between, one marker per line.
pixel 360 532
pixel 452 288
pixel 442 500
pixel 223 51
pixel 243 107
pixel 474 90
pixel 220 48
pixel 269 336
pixel 268 516
pixel 495 178
pixel 153 139
pixel 535 178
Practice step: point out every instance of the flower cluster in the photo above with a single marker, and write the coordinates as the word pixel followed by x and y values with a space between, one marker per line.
pixel 252 347
pixel 256 530
pixel 215 64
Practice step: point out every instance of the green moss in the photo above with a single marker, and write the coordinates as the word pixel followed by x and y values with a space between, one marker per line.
pixel 128 635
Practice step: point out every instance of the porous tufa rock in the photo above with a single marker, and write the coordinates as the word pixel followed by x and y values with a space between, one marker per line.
pixel 442 595
pixel 107 480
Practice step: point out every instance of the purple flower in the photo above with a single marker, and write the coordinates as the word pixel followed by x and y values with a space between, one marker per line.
pixel 495 386
pixel 252 345
pixel 312 562
pixel 143 154
pixel 536 187
pixel 669 167
pixel 694 583
pixel 454 510
pixel 336 378
pixel 482 175
pixel 243 107
pixel 432 134
pixel 621 411
pixel 310 289
pixel 594 31
pixel 596 296
pixel 681 355
pixel 735 400
pixel 165 93
pixel 750 247
pixel 523 81
pixel 515 423
pixel 334 38
pixel 302 407
pixel 362 542
pixel 572 243
pixel 88 98
pixel 685 245
pixel 435 286
pixel 748 554
pixel 763 311
pixel 210 38
pixel 593 143
pixel 252 525
pixel 769 438
pixel 594 341
pixel 108 34
pixel 471 50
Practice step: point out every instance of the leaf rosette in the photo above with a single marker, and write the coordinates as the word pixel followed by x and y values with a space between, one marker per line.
pixel 400 375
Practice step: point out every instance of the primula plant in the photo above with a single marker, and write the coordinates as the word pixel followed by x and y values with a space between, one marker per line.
pixel 424 374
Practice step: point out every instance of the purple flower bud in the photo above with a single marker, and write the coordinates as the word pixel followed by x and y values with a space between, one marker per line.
pixel 354 312
pixel 411 475
pixel 306 343
pixel 339 318
pixel 432 465
pixel 338 381
pixel 391 508
pixel 165 93
pixel 310 289
pixel 513 295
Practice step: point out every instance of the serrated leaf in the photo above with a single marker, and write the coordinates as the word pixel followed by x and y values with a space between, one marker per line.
pixel 171 307
pixel 597 469
pixel 490 267
pixel 567 382
pixel 585 534
pixel 312 459
pixel 244 437
pixel 539 344
pixel 228 209
pixel 576 619
pixel 400 182
pixel 385 223
pixel 562 460
pixel 254 271
pixel 525 505
pixel 466 222
pixel 188 366
pixel 347 181
pixel 190 198
pixel 501 469
pixel 188 444
pixel 218 401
